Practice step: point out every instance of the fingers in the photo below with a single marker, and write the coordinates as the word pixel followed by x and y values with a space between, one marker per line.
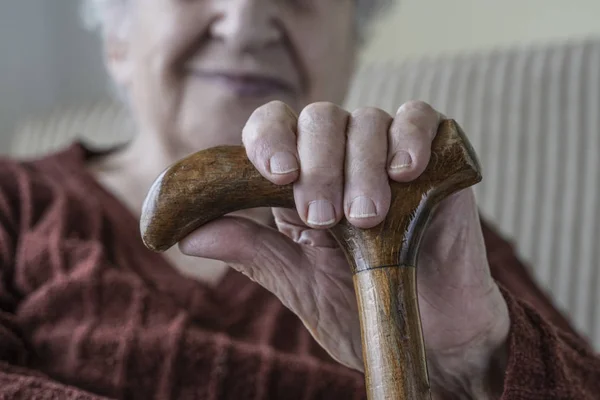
pixel 341 164
pixel 270 141
pixel 414 128
pixel 367 190
pixel 321 146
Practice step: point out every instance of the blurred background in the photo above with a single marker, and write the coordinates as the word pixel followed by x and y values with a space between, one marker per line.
pixel 522 77
pixel 47 59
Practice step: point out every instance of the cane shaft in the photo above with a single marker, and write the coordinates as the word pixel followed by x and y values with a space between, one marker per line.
pixel 393 348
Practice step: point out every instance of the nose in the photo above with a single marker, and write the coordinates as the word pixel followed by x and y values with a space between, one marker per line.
pixel 246 24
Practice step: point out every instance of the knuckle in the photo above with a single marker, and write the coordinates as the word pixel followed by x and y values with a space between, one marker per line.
pixel 322 111
pixel 274 111
pixel 405 128
pixel 415 119
pixel 281 110
pixel 370 119
pixel 268 124
pixel 275 108
pixel 260 113
pixel 370 113
pixel 368 127
pixel 271 130
pixel 416 107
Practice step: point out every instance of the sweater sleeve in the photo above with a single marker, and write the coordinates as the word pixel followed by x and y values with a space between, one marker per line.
pixel 17 381
pixel 545 362
pixel 547 358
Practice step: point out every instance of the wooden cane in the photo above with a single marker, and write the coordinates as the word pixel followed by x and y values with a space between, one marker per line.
pixel 220 180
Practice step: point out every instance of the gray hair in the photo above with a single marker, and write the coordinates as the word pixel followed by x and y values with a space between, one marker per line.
pixel 107 15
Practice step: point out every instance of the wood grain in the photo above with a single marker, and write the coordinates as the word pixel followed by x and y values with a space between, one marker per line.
pixel 393 348
pixel 217 181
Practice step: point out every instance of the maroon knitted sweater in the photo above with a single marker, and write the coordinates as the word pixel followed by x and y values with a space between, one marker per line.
pixel 87 312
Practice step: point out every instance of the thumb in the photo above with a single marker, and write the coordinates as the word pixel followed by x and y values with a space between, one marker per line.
pixel 262 253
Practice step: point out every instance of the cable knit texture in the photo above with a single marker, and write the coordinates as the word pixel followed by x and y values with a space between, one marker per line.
pixel 87 312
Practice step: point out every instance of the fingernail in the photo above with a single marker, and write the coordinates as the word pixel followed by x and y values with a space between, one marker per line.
pixel 362 207
pixel 282 163
pixel 401 160
pixel 321 213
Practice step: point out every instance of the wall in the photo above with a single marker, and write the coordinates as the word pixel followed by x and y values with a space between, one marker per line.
pixel 418 27
pixel 47 60
pixel 80 67
pixel 26 69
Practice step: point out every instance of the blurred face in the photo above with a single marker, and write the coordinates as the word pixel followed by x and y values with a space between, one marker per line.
pixel 194 70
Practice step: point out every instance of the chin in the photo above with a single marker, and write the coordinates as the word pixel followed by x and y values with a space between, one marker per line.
pixel 245 103
pixel 220 121
pixel 193 141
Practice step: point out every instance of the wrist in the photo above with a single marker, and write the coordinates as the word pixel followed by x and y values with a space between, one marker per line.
pixel 476 370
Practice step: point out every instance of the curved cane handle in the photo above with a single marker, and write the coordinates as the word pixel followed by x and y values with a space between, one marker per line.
pixel 217 181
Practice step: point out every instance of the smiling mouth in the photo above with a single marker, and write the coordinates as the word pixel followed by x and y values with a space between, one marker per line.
pixel 246 85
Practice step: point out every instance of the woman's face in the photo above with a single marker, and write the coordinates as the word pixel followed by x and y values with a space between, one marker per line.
pixel 194 70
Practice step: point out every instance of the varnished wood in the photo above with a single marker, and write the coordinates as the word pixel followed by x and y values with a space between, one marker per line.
pixel 202 187
pixel 217 181
pixel 393 348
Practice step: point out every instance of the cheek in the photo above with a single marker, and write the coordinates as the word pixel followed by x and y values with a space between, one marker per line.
pixel 154 90
pixel 162 37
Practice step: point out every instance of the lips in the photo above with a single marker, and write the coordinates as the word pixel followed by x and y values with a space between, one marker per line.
pixel 244 84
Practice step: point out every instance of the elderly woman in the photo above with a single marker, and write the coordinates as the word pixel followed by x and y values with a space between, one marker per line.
pixel 87 312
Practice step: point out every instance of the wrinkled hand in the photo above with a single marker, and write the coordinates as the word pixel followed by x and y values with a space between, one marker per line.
pixel 340 165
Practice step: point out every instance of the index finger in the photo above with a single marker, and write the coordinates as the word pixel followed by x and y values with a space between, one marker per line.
pixel 270 137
